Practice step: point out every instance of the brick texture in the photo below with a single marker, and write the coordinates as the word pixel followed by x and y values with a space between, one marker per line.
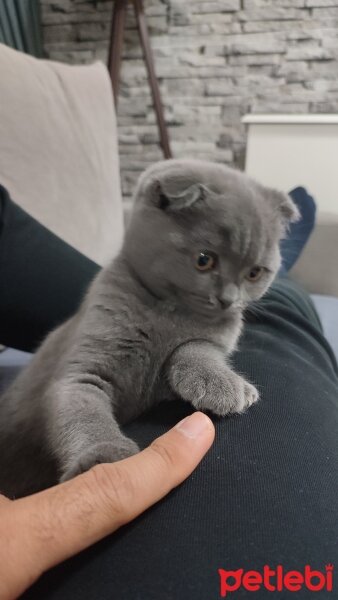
pixel 215 61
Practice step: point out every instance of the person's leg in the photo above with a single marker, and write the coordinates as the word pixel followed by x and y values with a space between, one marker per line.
pixel 42 279
pixel 265 494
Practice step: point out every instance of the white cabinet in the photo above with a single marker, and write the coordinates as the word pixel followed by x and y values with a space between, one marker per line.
pixel 285 151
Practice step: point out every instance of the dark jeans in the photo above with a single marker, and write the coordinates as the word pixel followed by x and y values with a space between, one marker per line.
pixel 265 494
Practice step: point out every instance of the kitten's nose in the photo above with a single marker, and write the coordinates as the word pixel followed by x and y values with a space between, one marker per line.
pixel 228 295
pixel 225 303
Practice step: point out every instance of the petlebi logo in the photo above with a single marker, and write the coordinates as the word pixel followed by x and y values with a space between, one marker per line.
pixel 276 579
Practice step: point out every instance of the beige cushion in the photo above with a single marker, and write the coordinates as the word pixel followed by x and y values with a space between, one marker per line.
pixel 58 149
pixel 317 267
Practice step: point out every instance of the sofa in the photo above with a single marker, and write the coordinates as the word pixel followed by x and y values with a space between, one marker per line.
pixel 59 160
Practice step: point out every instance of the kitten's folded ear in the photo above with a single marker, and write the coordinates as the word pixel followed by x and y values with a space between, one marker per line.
pixel 166 199
pixel 287 208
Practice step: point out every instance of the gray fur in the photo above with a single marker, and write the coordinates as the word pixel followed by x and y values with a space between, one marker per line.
pixel 151 327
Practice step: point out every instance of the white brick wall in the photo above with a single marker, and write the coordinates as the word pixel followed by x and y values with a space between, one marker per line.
pixel 215 61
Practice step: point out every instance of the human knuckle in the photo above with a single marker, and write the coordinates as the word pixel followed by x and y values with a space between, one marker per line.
pixel 165 453
pixel 114 487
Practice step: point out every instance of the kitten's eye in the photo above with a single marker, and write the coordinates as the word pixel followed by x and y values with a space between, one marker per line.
pixel 255 274
pixel 205 260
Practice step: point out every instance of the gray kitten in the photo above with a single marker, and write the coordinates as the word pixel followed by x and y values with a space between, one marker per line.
pixel 157 323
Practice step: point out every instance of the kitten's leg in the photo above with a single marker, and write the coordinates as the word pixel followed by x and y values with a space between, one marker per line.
pixel 82 430
pixel 198 373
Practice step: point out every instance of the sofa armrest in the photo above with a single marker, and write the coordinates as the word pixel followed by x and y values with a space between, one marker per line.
pixel 317 268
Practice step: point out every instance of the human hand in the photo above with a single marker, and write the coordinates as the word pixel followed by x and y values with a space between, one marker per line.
pixel 41 530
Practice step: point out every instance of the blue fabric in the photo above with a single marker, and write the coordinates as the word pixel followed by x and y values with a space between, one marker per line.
pixel 291 247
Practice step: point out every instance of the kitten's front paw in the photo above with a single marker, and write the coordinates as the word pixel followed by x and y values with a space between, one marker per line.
pixel 251 395
pixel 229 393
pixel 221 392
pixel 100 453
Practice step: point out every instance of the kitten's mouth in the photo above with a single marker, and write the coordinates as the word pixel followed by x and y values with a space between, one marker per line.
pixel 206 305
pixel 214 304
pixel 225 305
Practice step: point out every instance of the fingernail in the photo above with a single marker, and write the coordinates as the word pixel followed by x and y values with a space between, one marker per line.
pixel 194 425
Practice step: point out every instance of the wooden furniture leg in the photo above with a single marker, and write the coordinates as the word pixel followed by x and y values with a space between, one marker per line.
pixel 114 62
pixel 116 45
pixel 155 90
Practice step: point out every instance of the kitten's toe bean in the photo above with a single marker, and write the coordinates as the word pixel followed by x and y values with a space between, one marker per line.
pixel 100 453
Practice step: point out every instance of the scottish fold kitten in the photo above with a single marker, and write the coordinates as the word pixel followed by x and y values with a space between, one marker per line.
pixel 157 323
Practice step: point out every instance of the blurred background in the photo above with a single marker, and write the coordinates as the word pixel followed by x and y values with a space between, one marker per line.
pixel 248 83
pixel 215 61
